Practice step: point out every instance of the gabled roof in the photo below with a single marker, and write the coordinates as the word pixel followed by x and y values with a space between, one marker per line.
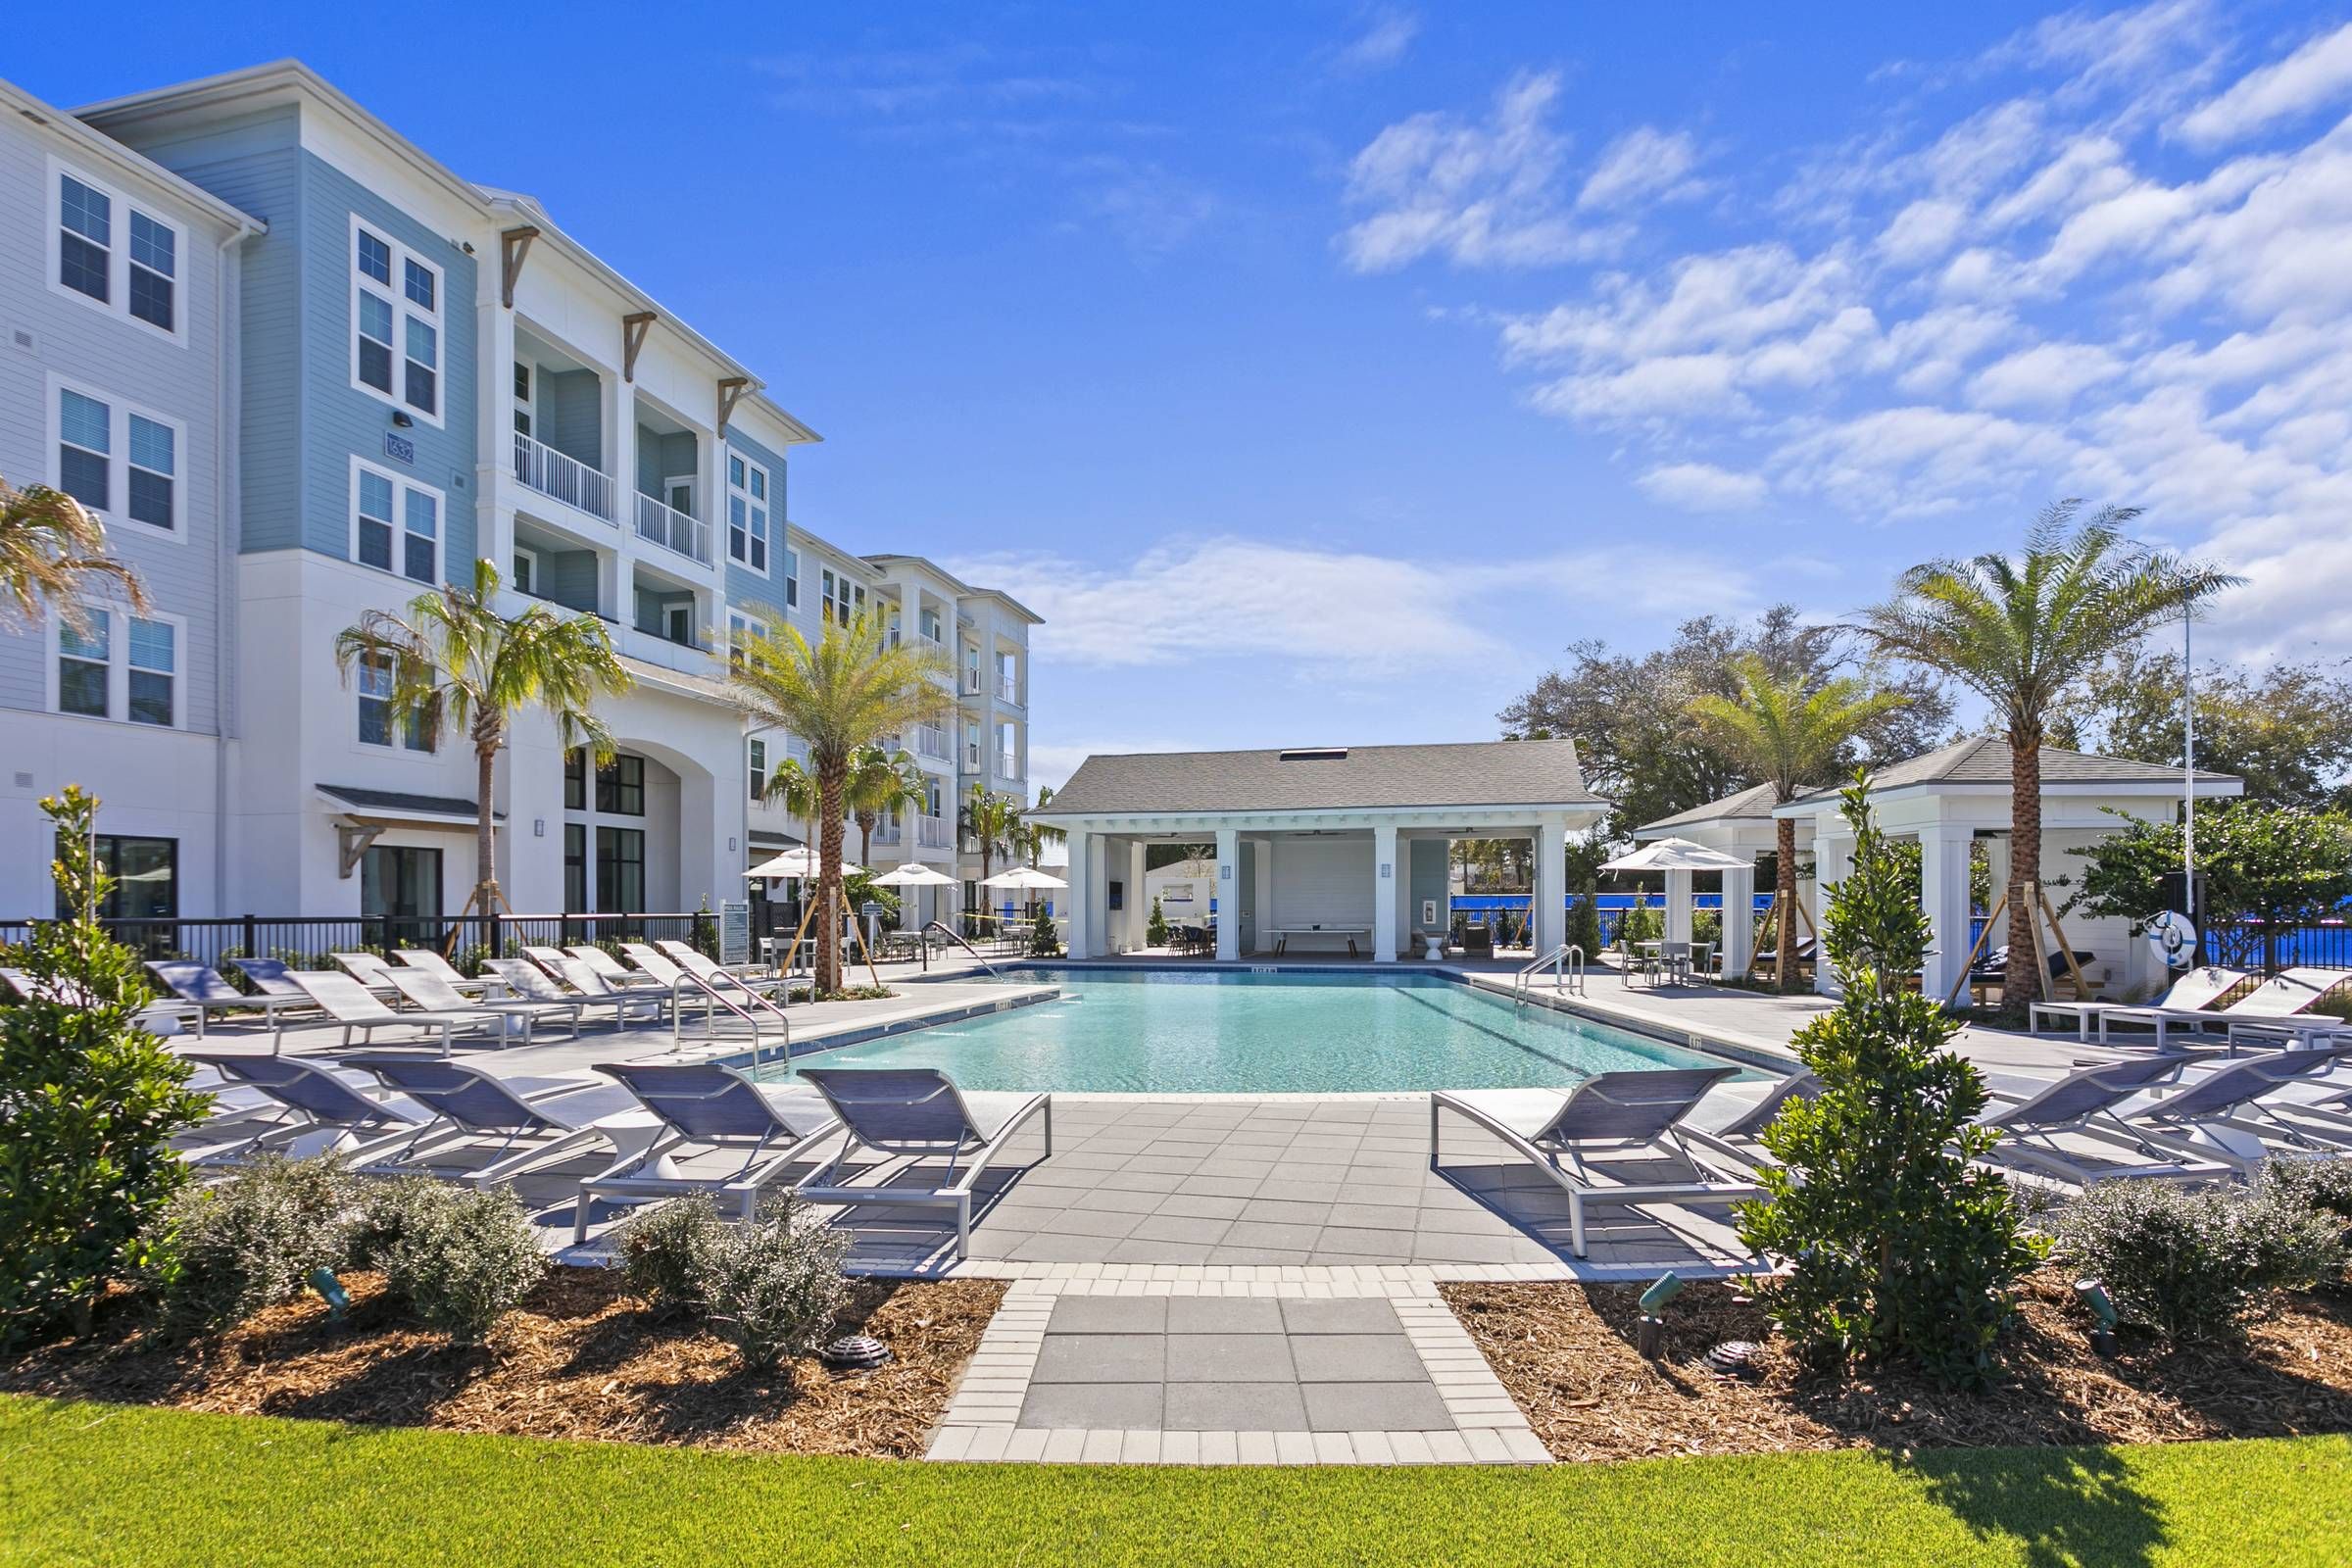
pixel 1985 759
pixel 1326 779
pixel 121 160
pixel 1754 803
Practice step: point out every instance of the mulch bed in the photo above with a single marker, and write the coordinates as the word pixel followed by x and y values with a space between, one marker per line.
pixel 1567 1355
pixel 579 1358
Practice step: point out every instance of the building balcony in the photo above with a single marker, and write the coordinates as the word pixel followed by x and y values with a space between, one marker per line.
pixel 1008 765
pixel 931 741
pixel 563 476
pixel 934 833
pixel 1008 690
pixel 673 529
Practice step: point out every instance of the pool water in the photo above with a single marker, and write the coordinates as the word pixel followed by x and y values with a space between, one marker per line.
pixel 1280 1032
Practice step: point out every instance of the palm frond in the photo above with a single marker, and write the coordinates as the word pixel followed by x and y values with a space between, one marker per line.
pixel 53 555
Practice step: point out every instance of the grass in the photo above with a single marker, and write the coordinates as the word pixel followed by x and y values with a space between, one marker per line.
pixel 90 1483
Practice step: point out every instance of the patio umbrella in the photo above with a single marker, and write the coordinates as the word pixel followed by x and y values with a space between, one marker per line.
pixel 1023 879
pixel 913 874
pixel 802 861
pixel 1675 855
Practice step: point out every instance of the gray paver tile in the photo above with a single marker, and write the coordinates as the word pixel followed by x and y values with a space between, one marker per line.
pixel 1179 1228
pixel 1109 1314
pixel 1270 1233
pixel 1093 1406
pixel 1100 1358
pixel 1373 1406
pixel 1133 1250
pixel 1090 1222
pixel 1365 1242
pixel 1224 1315
pixel 1287 1211
pixel 1228 1358
pixel 1370 1314
pixel 1235 1408
pixel 1355 1359
pixel 1192 1205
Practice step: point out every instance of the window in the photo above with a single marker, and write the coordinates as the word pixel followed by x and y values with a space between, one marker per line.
pixel 1008 752
pixel 575 780
pixel 117 461
pixel 396 324
pixel 842 599
pixel 792 577
pixel 396 524
pixel 401 885
pixel 758 770
pixel 526 571
pixel 124 666
pixel 620 870
pixel 747 513
pixel 146 873
pixel 620 787
pixel 740 628
pixel 575 867
pixel 379 724
pixel 927 622
pixel 85 440
pixel 523 399
pixel 114 254
pixel 154 463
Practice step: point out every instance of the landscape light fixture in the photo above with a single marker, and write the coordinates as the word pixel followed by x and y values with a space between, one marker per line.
pixel 2094 1298
pixel 1652 1336
pixel 323 1280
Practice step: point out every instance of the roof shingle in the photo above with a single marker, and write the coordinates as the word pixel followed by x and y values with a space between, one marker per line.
pixel 1334 778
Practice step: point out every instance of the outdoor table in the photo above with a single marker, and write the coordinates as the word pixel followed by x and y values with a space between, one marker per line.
pixel 1282 934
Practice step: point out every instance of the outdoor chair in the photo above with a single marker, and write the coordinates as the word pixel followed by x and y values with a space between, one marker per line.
pixel 703 967
pixel 2194 990
pixel 308 1099
pixel 433 995
pixel 1739 1137
pixel 352 1005
pixel 518 1123
pixel 529 983
pixel 2097 1144
pixel 1616 1138
pixel 2271 1009
pixel 917 1115
pixel 1478 942
pixel 720 1132
pixel 612 968
pixel 2235 1112
pixel 206 991
pixel 370 969
pixel 446 972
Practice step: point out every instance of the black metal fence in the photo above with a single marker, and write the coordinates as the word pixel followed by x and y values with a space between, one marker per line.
pixel 307 941
pixel 2258 945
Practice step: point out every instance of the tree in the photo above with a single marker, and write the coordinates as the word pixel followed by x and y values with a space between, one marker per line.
pixel 52 555
pixel 990 820
pixel 793 787
pixel 2267 868
pixel 846 693
pixel 455 660
pixel 90 1101
pixel 1034 835
pixel 2024 631
pixel 1899 1243
pixel 2286 730
pixel 881 781
pixel 1788 736
pixel 1640 745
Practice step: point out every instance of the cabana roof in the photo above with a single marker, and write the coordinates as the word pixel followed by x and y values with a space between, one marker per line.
pixel 1982 764
pixel 1542 774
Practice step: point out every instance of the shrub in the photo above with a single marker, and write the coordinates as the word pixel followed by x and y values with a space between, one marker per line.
pixel 665 1248
pixel 1899 1245
pixel 88 1105
pixel 2190 1264
pixel 227 1252
pixel 774 1285
pixel 1640 923
pixel 1156 929
pixel 464 1261
pixel 2323 1184
pixel 1584 924
pixel 387 1210
pixel 1043 943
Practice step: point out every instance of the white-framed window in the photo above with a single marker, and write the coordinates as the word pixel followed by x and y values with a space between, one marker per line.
pixel 395 321
pixel 395 524
pixel 843 597
pixel 759 769
pixel 378 724
pixel 115 253
pixel 125 666
pixel 527 570
pixel 120 461
pixel 747 513
pixel 792 577
pixel 742 625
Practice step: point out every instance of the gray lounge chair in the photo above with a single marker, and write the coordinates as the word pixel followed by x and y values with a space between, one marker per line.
pixel 916 1114
pixel 710 1113
pixel 447 973
pixel 205 991
pixel 433 995
pixel 525 1122
pixel 1610 1119
pixel 704 967
pixel 308 1099
pixel 351 1004
pixel 613 969
pixel 2070 1128
pixel 529 983
pixel 2271 1008
pixel 2192 990
pixel 370 969
pixel 1738 1138
pixel 2235 1114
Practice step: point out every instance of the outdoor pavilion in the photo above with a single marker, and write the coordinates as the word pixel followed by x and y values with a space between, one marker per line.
pixel 1739 825
pixel 1317 847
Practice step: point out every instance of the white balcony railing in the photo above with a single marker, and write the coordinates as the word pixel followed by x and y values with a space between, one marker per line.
pixel 1008 764
pixel 564 476
pixel 1008 688
pixel 673 529
pixel 886 833
pixel 932 741
pixel 972 683
pixel 934 833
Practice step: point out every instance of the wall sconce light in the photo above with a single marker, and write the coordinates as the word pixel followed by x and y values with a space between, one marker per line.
pixel 401 419
pixel 538 827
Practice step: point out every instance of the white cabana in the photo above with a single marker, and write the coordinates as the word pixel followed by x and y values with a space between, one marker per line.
pixel 1739 827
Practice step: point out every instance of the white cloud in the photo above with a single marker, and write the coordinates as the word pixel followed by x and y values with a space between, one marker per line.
pixel 1703 487
pixel 1387 33
pixel 2313 75
pixel 1923 232
pixel 1644 162
pixel 2046 375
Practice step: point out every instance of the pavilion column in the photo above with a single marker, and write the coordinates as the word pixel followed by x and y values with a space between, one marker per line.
pixel 1738 918
pixel 1086 849
pixel 1833 859
pixel 1550 894
pixel 1139 908
pixel 1678 905
pixel 1229 895
pixel 1385 875
pixel 1943 894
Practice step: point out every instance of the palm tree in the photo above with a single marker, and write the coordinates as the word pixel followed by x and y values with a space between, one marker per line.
pixel 846 693
pixel 2019 631
pixel 52 551
pixel 1035 836
pixel 991 820
pixel 880 782
pixel 1789 738
pixel 793 787
pixel 455 658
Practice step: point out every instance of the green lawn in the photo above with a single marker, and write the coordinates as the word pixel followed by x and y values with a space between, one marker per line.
pixel 86 1483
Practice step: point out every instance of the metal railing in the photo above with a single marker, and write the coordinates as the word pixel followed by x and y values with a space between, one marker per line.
pixel 1566 964
pixel 956 937
pixel 888 834
pixel 564 476
pixel 309 942
pixel 2259 945
pixel 1008 687
pixel 716 997
pixel 972 683
pixel 932 741
pixel 934 833
pixel 673 529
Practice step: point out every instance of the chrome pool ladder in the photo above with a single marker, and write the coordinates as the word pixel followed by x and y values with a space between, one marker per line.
pixel 1566 964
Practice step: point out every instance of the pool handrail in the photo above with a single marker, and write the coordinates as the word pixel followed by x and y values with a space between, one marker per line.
pixel 1566 964
pixel 717 997
pixel 943 928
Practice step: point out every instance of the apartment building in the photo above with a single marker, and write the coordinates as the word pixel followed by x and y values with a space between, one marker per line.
pixel 306 371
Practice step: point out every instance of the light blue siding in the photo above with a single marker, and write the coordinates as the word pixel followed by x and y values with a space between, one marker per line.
pixel 569 578
pixel 571 414
pixel 748 589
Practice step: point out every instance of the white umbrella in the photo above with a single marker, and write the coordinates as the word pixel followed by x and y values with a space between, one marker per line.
pixel 913 874
pixel 1023 879
pixel 1675 855
pixel 796 863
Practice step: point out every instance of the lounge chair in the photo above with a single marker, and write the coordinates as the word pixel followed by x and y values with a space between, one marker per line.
pixel 613 969
pixel 528 1121
pixel 446 972
pixel 2271 1009
pixel 2100 1146
pixel 1993 970
pixel 711 1114
pixel 156 1017
pixel 2233 1114
pixel 703 967
pixel 351 1004
pixel 1610 1119
pixel 370 969
pixel 433 995
pixel 917 1114
pixel 2195 989
pixel 1738 1138
pixel 310 1099
pixel 206 991
pixel 528 984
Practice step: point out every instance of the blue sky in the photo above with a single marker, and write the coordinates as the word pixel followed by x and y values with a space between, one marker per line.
pixel 1320 371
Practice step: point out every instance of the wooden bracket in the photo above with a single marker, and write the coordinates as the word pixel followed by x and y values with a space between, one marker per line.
pixel 730 391
pixel 351 843
pixel 633 327
pixel 514 245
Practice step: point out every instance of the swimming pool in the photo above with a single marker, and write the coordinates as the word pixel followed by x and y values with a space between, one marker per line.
pixel 1130 1031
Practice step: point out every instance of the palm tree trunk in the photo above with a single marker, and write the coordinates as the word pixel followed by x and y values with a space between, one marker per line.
pixel 829 781
pixel 1784 887
pixel 485 868
pixel 2021 983
pixel 866 842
